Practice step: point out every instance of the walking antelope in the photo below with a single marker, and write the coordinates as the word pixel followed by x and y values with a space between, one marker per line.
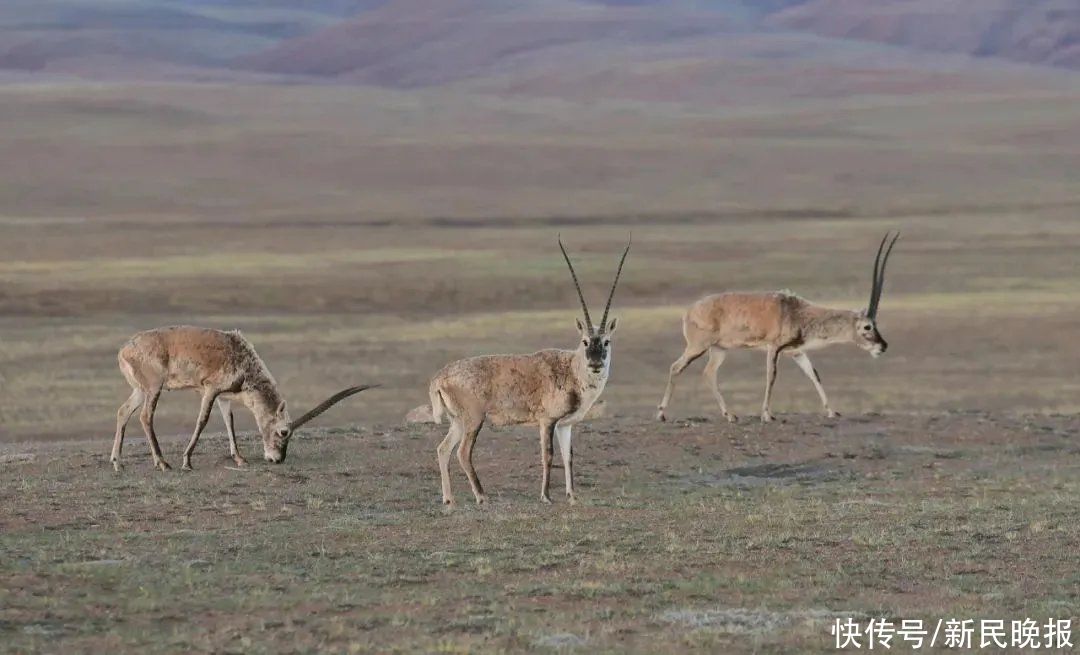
pixel 221 366
pixel 777 322
pixel 552 389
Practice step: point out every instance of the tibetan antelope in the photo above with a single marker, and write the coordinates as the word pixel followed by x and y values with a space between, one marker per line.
pixel 552 389
pixel 779 323
pixel 220 366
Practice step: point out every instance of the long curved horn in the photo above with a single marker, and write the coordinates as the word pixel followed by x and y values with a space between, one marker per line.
pixel 871 307
pixel 328 403
pixel 577 285
pixel 879 273
pixel 607 308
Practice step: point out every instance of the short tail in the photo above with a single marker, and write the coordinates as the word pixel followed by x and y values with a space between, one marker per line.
pixel 438 407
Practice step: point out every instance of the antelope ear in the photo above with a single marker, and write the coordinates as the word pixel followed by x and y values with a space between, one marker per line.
pixel 281 407
pixel 611 326
pixel 580 325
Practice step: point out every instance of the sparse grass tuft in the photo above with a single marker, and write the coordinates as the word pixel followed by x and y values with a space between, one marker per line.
pixel 345 547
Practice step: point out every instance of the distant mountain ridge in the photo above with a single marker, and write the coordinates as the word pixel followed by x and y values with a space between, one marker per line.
pixel 417 42
pixel 635 47
pixel 1043 32
pixel 42 35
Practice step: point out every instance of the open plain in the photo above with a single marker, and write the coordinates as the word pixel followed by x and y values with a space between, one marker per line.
pixel 370 235
pixel 694 535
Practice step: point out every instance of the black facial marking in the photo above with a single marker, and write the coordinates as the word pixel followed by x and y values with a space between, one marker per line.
pixel 596 352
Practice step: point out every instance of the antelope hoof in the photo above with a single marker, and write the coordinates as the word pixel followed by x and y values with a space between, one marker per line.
pixel 831 414
pixel 767 417
pixel 162 465
pixel 731 418
pixel 447 500
pixel 660 416
pixel 545 499
pixel 481 499
pixel 186 467
pixel 240 461
pixel 570 499
pixel 117 466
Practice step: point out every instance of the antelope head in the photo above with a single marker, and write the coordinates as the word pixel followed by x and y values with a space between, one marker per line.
pixel 595 339
pixel 278 428
pixel 867 335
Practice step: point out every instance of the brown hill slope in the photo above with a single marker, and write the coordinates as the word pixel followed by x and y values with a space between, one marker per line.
pixel 417 42
pixel 103 38
pixel 1031 31
pixel 590 50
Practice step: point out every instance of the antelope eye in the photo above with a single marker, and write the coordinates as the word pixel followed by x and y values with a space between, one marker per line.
pixel 607 342
pixel 866 328
pixel 585 342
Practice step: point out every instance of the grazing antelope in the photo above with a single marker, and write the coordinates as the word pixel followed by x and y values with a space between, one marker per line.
pixel 552 389
pixel 221 366
pixel 778 322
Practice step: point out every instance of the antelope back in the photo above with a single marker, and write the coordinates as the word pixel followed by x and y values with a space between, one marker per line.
pixel 735 316
pixel 192 356
pixel 507 388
